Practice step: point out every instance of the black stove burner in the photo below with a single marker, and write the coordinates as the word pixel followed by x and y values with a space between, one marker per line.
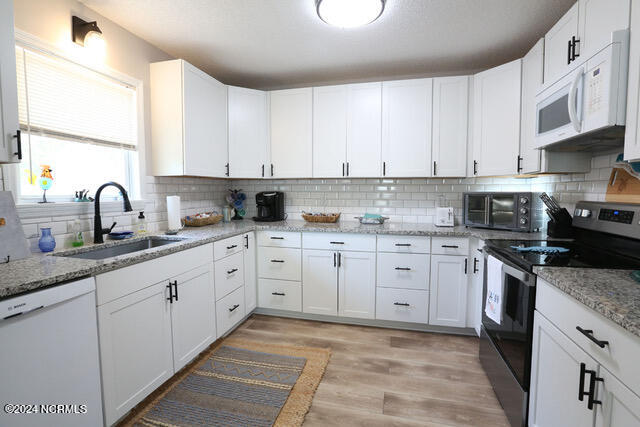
pixel 578 255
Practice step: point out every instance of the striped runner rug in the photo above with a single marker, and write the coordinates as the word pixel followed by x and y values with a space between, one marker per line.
pixel 238 383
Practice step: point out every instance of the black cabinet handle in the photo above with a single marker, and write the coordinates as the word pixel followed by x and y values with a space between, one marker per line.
pixel 574 42
pixel 404 304
pixel 466 262
pixel 347 168
pixel 232 246
pixel 234 307
pixel 277 260
pixel 592 387
pixel 475 167
pixel 451 246
pixel 343 169
pixel 434 168
pixel 569 52
pixel 276 238
pixel 519 164
pixel 227 166
pixel 475 265
pixel 271 169
pixel 581 392
pixel 280 294
pixel 403 244
pixel 246 241
pixel 403 268
pixel 170 287
pixel 339 260
pixel 334 260
pixel 337 243
pixel 233 270
pixel 589 334
pixel 384 168
pixel 18 137
pixel 175 286
pixel 263 170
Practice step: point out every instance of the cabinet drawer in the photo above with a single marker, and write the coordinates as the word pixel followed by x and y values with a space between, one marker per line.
pixel 620 356
pixel 391 304
pixel 339 241
pixel 280 295
pixel 279 239
pixel 229 311
pixel 450 246
pixel 226 247
pixel 280 263
pixel 406 271
pixel 229 275
pixel 404 244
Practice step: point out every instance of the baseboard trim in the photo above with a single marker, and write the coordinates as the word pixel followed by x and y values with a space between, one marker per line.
pixel 388 324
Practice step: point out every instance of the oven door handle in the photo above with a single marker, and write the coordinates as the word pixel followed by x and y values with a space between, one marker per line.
pixel 523 276
pixel 487 214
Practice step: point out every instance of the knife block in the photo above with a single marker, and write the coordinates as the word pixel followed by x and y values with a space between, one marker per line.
pixel 560 230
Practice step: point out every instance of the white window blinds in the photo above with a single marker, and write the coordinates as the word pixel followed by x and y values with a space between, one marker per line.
pixel 59 98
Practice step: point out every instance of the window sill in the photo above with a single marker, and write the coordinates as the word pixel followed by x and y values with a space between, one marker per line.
pixel 41 210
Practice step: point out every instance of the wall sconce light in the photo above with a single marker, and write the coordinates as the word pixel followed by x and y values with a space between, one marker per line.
pixel 86 33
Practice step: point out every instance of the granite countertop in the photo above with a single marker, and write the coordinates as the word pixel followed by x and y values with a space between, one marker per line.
pixel 39 271
pixel 612 293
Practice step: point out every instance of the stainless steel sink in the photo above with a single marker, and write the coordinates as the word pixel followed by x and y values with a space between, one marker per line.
pixel 122 249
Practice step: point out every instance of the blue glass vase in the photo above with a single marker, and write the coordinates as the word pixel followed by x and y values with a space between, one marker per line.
pixel 46 243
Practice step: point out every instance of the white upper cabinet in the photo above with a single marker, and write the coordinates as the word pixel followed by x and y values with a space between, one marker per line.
pixel 532 74
pixel 329 131
pixel 598 19
pixel 291 133
pixel 188 121
pixel 248 133
pixel 558 46
pixel 450 116
pixel 9 136
pixel 496 119
pixel 364 130
pixel 632 129
pixel 580 33
pixel 406 128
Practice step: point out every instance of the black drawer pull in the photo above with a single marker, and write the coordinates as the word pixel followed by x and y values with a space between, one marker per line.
pixel 337 243
pixel 233 270
pixel 280 294
pixel 404 304
pixel 232 246
pixel 403 268
pixel 276 238
pixel 592 387
pixel 589 334
pixel 234 307
pixel 277 260
pixel 403 244
pixel 451 246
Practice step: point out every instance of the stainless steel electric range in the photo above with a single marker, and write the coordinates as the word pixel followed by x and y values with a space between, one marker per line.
pixel 607 235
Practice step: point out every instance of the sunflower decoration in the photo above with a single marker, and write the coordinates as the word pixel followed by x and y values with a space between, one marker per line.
pixel 45 181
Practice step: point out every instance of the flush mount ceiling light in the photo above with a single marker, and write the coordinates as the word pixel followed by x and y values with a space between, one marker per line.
pixel 85 33
pixel 349 13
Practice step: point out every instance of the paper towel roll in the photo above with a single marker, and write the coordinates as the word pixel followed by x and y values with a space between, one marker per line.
pixel 173 213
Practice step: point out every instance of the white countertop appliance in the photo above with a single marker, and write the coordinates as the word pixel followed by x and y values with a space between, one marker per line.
pixel 444 217
pixel 49 357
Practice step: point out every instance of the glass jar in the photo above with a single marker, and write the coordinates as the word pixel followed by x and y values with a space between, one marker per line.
pixel 47 243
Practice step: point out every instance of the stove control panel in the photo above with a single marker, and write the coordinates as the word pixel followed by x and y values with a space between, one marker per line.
pixel 622 219
pixel 616 215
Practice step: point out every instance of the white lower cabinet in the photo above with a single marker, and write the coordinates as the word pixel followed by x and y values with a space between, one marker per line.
pixel 406 271
pixel 192 317
pixel 230 311
pixel 135 360
pixel 448 302
pixel 555 378
pixel 250 272
pixel 620 406
pixel 320 282
pixel 279 263
pixel 357 284
pixel 403 305
pixel 280 294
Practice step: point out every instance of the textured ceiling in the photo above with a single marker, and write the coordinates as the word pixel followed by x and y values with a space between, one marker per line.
pixel 268 44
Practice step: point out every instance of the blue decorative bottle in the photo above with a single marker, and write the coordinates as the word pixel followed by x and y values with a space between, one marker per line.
pixel 46 243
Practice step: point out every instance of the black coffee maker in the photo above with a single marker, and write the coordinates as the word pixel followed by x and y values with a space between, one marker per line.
pixel 270 206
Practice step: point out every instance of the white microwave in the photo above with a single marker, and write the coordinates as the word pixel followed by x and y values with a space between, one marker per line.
pixel 588 102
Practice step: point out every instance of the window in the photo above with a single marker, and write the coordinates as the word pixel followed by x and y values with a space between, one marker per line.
pixel 80 123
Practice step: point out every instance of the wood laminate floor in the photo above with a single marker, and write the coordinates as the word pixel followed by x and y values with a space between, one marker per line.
pixel 387 377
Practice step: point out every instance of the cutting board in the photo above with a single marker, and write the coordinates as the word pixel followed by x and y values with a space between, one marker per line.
pixel 13 244
pixel 624 185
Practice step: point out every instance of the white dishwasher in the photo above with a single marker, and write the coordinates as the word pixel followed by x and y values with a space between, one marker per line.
pixel 49 363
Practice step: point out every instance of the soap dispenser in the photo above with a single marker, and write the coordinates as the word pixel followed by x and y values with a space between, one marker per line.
pixel 142 223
